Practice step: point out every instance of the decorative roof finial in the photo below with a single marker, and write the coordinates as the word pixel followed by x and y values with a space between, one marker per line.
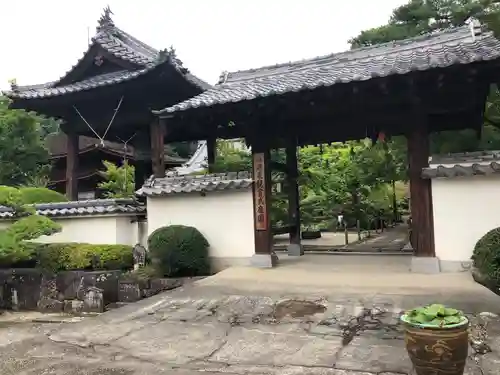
pixel 13 84
pixel 105 22
pixel 171 52
pixel 162 55
pixel 223 77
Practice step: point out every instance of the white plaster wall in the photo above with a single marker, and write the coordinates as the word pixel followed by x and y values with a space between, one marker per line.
pixel 126 230
pixel 465 209
pixel 224 218
pixel 89 229
pixel 93 229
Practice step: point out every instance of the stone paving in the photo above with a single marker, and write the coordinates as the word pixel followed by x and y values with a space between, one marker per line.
pixel 209 330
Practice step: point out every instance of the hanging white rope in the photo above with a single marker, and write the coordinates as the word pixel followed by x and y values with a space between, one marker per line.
pixel 116 110
pixel 125 160
pixel 113 118
pixel 85 121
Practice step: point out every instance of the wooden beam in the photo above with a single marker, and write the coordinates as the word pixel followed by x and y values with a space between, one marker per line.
pixel 211 153
pixel 71 165
pixel 142 171
pixel 293 199
pixel 420 190
pixel 157 132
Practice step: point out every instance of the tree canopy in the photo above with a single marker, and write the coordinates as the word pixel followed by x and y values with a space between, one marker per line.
pixel 23 155
pixel 422 16
pixel 119 181
pixel 28 226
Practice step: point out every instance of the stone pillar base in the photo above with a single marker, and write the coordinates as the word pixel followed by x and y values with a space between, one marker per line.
pixel 426 265
pixel 264 260
pixel 295 250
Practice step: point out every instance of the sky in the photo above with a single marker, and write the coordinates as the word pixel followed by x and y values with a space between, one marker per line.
pixel 41 40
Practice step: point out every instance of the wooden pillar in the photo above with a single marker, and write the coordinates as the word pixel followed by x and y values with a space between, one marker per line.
pixel 141 173
pixel 264 255
pixel 157 132
pixel 72 165
pixel 211 153
pixel 420 191
pixel 295 247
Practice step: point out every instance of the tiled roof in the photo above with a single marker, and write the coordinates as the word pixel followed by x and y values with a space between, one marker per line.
pixel 121 45
pixel 50 90
pixel 466 157
pixel 196 184
pixel 461 170
pixel 461 45
pixel 83 208
pixel 479 163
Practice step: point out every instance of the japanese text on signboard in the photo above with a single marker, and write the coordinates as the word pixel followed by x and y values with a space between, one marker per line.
pixel 260 192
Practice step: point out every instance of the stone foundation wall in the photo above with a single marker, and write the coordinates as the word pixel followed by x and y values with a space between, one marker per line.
pixel 74 292
pixel 69 291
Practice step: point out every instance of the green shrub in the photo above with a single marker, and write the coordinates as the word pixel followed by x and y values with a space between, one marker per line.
pixel 179 250
pixel 70 256
pixel 34 195
pixel 142 274
pixel 486 256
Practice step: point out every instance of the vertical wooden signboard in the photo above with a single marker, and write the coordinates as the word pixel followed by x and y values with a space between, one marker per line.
pixel 260 191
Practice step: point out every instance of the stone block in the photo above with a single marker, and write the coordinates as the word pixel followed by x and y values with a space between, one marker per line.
pixel 68 282
pixel 295 250
pixel 93 300
pixel 26 285
pixel 105 280
pixel 129 291
pixel 73 306
pixel 49 287
pixel 50 305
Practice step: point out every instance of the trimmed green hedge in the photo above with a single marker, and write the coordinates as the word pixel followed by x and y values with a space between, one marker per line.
pixel 70 256
pixel 486 257
pixel 34 195
pixel 179 250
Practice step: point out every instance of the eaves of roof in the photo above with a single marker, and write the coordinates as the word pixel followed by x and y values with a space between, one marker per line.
pixel 460 45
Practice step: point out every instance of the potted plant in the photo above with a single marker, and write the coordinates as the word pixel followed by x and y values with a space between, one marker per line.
pixel 436 339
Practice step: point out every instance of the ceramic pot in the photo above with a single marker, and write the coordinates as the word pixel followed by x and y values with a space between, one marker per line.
pixel 437 351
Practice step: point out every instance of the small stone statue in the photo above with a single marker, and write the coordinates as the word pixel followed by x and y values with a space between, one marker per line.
pixel 139 254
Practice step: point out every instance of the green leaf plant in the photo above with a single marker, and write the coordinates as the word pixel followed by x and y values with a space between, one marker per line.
pixel 435 315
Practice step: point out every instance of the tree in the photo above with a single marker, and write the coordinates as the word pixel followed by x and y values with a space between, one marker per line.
pixel 23 156
pixel 422 16
pixel 119 180
pixel 231 158
pixel 182 149
pixel 29 226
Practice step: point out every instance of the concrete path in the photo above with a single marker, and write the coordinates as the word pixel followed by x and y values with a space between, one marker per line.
pixel 247 321
pixel 390 240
